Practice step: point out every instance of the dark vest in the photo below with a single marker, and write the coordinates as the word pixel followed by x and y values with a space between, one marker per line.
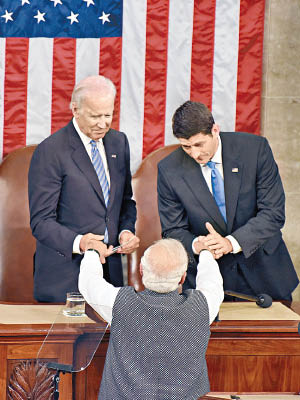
pixel 157 347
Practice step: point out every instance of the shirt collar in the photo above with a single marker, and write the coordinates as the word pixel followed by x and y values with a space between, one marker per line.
pixel 217 157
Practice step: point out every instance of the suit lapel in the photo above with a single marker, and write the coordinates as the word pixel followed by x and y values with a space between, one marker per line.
pixel 232 169
pixel 193 177
pixel 83 162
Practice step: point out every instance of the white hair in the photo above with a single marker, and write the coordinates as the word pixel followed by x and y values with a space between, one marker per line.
pixel 95 84
pixel 163 265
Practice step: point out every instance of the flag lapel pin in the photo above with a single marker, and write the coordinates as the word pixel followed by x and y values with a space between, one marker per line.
pixel 235 170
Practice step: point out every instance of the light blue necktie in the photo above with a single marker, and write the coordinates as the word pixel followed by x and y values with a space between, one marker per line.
pixel 217 184
pixel 100 170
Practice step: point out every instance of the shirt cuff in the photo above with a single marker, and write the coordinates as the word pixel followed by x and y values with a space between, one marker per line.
pixel 205 256
pixel 236 248
pixel 92 262
pixel 76 245
pixel 193 248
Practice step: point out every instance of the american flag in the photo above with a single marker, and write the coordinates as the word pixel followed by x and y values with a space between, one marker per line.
pixel 159 53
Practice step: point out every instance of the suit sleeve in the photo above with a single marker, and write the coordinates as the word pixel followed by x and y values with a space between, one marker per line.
pixel 44 187
pixel 270 203
pixel 173 217
pixel 128 208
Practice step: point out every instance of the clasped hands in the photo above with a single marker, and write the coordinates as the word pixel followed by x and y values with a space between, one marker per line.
pixel 128 243
pixel 214 242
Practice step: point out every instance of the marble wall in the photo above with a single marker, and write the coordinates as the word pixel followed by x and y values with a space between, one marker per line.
pixel 280 118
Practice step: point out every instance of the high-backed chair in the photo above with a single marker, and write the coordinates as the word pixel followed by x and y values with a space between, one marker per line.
pixel 17 244
pixel 148 227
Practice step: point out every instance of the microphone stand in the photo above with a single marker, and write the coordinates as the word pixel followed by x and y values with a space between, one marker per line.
pixel 58 368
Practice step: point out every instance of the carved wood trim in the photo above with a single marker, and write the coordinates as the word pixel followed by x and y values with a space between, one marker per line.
pixel 31 380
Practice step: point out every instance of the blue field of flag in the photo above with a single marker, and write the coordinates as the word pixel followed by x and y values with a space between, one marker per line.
pixel 61 18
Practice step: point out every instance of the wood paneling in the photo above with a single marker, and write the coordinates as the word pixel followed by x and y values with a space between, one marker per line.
pixel 242 356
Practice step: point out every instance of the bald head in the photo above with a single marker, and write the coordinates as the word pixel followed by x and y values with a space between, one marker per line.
pixel 164 265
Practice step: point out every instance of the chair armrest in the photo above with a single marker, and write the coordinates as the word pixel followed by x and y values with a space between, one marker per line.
pixel 133 270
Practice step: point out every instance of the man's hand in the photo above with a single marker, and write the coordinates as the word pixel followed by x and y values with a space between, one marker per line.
pixel 199 245
pixel 101 247
pixel 216 243
pixel 87 238
pixel 129 242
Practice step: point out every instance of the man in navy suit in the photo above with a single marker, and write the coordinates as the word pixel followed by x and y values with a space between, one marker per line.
pixel 245 234
pixel 67 204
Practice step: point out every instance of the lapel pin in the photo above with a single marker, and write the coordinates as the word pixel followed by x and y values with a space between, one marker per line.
pixel 113 156
pixel 235 170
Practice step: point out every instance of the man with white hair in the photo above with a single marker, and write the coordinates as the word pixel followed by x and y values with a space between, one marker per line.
pixel 158 337
pixel 80 188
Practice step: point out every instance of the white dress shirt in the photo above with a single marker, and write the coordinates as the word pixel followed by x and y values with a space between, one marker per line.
pixel 101 295
pixel 88 147
pixel 206 171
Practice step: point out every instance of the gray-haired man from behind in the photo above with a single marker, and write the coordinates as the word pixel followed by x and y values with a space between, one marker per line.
pixel 158 337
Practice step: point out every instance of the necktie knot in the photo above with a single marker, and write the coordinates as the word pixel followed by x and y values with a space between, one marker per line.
pixel 94 144
pixel 211 164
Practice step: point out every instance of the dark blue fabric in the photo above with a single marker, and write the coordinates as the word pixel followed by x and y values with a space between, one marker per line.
pixel 56 24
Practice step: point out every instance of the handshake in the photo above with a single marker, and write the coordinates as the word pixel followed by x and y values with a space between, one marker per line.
pixel 128 243
pixel 214 242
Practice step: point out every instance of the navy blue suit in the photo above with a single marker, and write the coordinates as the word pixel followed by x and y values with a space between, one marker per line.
pixel 66 199
pixel 255 208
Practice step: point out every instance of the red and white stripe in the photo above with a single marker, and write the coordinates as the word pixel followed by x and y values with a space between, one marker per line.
pixel 171 51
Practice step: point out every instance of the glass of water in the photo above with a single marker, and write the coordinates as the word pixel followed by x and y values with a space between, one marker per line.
pixel 75 305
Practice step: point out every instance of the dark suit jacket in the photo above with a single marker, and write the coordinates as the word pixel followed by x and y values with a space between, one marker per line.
pixel 66 199
pixel 255 203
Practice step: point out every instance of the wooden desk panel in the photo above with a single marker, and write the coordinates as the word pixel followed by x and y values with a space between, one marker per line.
pixel 19 347
pixel 20 344
pixel 254 356
pixel 242 356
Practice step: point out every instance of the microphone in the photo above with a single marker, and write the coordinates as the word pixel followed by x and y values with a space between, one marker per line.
pixel 262 300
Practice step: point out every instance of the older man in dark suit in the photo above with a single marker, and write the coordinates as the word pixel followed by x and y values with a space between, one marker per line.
pixel 224 189
pixel 80 188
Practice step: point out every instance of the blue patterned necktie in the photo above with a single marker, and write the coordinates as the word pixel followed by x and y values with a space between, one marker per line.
pixel 217 184
pixel 100 170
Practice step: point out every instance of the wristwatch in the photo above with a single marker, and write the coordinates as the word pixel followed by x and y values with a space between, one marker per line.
pixel 96 251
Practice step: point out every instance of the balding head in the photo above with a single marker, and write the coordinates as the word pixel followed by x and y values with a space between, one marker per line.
pixel 164 265
pixel 93 86
pixel 92 106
